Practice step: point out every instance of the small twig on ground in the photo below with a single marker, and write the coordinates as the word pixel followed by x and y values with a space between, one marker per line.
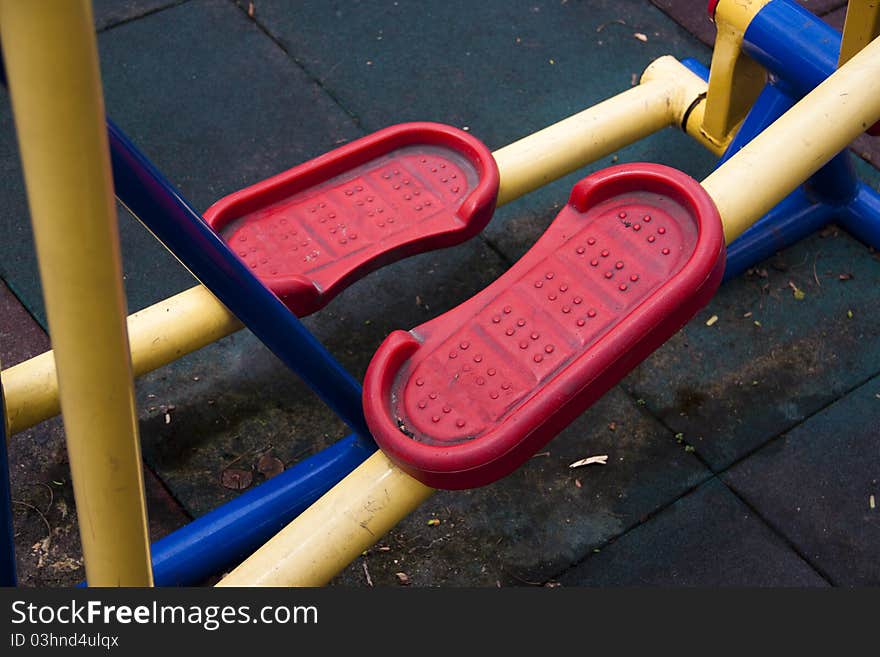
pixel 51 494
pixel 367 573
pixel 38 512
pixel 604 25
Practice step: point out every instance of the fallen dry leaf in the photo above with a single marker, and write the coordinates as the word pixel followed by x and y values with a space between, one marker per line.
pixel 599 460
pixel 270 466
pixel 236 478
pixel 403 578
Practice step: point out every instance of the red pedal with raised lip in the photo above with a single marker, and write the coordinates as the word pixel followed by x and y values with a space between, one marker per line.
pixel 311 231
pixel 467 397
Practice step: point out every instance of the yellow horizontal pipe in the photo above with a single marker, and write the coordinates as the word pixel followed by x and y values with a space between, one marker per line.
pixel 157 335
pixel 51 60
pixel 688 98
pixel 798 144
pixel 195 318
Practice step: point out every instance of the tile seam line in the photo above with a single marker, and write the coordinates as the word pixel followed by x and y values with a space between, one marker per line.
pixel 30 313
pixel 355 119
pixel 641 521
pixel 131 19
pixel 788 542
pixel 776 531
pixel 788 429
pixel 663 508
pixel 717 473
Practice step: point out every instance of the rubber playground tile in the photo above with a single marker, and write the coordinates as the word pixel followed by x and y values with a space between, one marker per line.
pixel 504 69
pixel 822 7
pixel 708 538
pixel 20 336
pixel 213 102
pixel 819 486
pixel 47 544
pixel 538 521
pixel 790 337
pixel 693 16
pixel 200 419
pixel 112 12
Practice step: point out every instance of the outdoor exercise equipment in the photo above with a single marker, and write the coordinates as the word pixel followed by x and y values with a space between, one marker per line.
pixel 350 518
pixel 342 523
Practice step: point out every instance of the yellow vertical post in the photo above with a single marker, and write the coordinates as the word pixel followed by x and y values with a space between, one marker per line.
pixel 862 26
pixel 735 80
pixel 54 80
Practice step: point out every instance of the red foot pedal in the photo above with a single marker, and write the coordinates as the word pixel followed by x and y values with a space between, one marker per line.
pixel 467 397
pixel 311 231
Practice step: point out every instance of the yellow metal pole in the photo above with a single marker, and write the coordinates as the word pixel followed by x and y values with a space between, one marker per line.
pixel 862 26
pixel 735 80
pixel 194 318
pixel 54 80
pixel 798 144
pixel 158 335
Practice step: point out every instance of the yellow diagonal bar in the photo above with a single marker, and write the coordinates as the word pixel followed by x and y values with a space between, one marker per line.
pixel 52 68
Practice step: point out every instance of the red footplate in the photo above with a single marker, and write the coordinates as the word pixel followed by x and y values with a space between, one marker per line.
pixel 311 231
pixel 467 397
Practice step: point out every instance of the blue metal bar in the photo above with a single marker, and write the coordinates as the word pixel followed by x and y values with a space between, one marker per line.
pixel 862 215
pixel 795 217
pixel 793 44
pixel 232 531
pixel 152 198
pixel 7 534
pixel 835 183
